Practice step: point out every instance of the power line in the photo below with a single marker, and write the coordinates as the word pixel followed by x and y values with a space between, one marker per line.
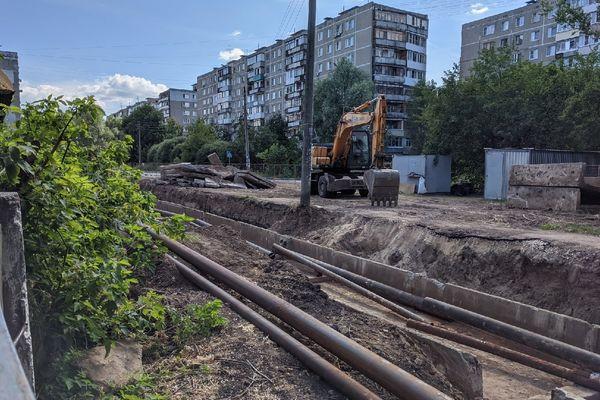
pixel 285 14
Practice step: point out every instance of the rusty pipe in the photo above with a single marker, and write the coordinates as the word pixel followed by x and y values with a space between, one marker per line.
pixel 198 222
pixel 341 381
pixel 573 375
pixel 388 375
pixel 340 279
pixel 385 291
pixel 534 340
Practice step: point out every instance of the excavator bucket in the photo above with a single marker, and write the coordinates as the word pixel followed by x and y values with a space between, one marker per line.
pixel 383 186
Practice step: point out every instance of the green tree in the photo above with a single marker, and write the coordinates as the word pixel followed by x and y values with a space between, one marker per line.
pixel 506 104
pixel 144 122
pixel 346 88
pixel 172 129
pixel 572 15
pixel 274 145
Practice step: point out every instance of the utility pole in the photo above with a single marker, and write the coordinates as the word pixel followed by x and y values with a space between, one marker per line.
pixel 139 144
pixel 246 138
pixel 308 106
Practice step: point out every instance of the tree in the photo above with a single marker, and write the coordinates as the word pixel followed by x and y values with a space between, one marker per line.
pixel 172 129
pixel 273 145
pixel 144 122
pixel 506 104
pixel 346 88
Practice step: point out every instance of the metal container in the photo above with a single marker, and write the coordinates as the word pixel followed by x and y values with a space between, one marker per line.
pixel 499 162
pixel 436 171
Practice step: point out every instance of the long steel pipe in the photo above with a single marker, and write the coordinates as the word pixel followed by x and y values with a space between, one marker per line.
pixel 388 375
pixel 198 222
pixel 573 375
pixel 528 338
pixel 340 279
pixel 343 382
pixel 385 291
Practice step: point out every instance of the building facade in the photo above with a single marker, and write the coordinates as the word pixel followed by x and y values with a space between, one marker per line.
pixel 387 43
pixel 125 112
pixel 531 33
pixel 180 105
pixel 9 64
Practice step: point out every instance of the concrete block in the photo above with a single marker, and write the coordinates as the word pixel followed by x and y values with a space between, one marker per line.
pixel 574 393
pixel 407 188
pixel 548 175
pixel 544 198
pixel 13 285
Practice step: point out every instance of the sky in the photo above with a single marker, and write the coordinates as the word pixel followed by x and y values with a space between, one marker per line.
pixel 122 51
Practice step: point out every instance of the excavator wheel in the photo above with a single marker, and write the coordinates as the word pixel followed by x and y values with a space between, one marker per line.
pixel 363 192
pixel 322 188
pixel 383 186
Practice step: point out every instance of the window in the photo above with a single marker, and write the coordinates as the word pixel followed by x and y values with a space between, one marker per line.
pixel 488 45
pixel 520 21
pixel 504 42
pixel 350 57
pixel 536 17
pixel 320 36
pixel 518 40
pixel 338 45
pixel 329 48
pixel 535 35
pixel 349 41
pixel 489 30
pixel 533 54
pixel 552 31
pixel 505 25
pixel 329 32
pixel 320 52
pixel 339 29
pixel 329 65
pixel 516 57
pixel 320 68
pixel 551 50
pixel 351 24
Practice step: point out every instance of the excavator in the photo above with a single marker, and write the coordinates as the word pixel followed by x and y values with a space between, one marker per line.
pixel 356 159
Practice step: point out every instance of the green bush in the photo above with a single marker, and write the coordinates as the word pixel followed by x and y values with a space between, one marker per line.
pixel 196 320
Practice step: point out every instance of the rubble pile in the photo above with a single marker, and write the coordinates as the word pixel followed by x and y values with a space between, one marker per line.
pixel 213 176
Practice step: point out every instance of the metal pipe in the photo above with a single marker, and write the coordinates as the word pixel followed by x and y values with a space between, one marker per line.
pixel 198 222
pixel 388 375
pixel 385 291
pixel 528 338
pixel 340 279
pixel 259 248
pixel 341 381
pixel 573 375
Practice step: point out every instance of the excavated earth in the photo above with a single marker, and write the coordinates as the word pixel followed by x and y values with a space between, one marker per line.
pixel 466 241
pixel 239 362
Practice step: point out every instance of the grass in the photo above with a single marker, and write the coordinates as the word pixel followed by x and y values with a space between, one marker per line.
pixel 572 228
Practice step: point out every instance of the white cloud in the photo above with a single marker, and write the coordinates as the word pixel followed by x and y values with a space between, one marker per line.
pixel 235 33
pixel 231 54
pixel 478 8
pixel 111 92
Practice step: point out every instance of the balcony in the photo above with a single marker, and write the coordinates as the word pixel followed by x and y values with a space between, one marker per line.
pixel 390 61
pixel 256 90
pixel 396 26
pixel 293 109
pixel 294 65
pixel 396 97
pixel 296 49
pixel 294 123
pixel 224 121
pixel 390 43
pixel 396 115
pixel 257 115
pixel 219 99
pixel 256 78
pixel 293 95
pixel 388 78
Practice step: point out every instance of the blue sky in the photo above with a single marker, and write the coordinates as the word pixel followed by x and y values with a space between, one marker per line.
pixel 129 49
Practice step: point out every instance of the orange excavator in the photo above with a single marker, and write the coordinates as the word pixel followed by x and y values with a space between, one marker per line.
pixel 356 159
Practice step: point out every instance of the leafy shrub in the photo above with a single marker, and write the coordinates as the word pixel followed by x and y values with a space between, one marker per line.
pixel 196 320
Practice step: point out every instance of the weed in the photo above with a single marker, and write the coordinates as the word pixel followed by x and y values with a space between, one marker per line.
pixel 572 228
pixel 196 320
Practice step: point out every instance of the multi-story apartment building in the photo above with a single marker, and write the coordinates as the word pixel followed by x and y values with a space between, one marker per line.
pixel 387 43
pixel 126 111
pixel 9 64
pixel 179 105
pixel 531 33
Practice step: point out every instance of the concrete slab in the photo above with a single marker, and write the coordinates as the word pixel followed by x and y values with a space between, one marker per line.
pixel 544 198
pixel 548 175
pixel 574 393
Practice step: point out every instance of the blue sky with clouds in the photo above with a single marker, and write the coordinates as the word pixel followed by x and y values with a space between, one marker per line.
pixel 121 50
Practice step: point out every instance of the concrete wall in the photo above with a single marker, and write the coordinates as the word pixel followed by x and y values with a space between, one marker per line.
pixel 557 326
pixel 14 287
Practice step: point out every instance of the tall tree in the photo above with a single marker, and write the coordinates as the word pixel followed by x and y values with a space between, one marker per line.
pixel 572 15
pixel 346 88
pixel 145 123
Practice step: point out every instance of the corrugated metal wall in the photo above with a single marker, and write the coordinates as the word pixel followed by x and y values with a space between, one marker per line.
pixel 498 163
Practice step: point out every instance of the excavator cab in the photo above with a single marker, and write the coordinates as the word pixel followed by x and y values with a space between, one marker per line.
pixel 359 156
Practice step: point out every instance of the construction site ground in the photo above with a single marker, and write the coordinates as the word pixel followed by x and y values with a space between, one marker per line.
pixel 469 241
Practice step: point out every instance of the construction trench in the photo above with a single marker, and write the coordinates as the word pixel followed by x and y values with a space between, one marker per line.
pixel 447 269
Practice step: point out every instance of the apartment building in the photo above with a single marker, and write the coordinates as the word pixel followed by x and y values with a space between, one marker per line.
pixel 532 34
pixel 126 111
pixel 9 64
pixel 179 105
pixel 387 43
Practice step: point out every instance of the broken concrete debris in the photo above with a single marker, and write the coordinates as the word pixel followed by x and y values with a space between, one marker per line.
pixel 213 176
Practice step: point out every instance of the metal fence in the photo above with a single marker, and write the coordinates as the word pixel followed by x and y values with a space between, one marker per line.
pixel 592 171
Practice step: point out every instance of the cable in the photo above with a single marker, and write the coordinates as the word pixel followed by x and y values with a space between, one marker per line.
pixel 289 6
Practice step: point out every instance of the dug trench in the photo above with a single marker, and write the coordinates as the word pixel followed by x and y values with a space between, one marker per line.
pixel 556 272
pixel 240 363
